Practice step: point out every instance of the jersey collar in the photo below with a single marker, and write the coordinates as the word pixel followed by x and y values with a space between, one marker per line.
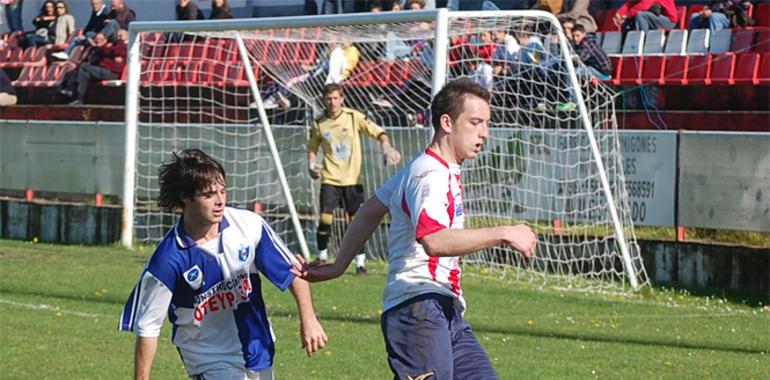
pixel 184 241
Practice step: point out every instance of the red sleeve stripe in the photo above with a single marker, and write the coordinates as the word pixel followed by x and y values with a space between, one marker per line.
pixel 426 226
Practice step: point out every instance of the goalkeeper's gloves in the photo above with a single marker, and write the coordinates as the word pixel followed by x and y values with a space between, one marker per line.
pixel 390 154
pixel 314 170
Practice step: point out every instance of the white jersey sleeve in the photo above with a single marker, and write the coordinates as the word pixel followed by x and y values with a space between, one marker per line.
pixel 152 301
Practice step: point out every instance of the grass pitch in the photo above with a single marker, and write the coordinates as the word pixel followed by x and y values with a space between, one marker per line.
pixel 60 305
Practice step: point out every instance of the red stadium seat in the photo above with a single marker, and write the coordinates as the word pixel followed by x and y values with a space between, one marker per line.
pixel 617 64
pixel 763 41
pixel 743 40
pixel 693 9
pixel 12 57
pixel 653 69
pixel 762 15
pixel 631 70
pixel 676 70
pixel 236 76
pixel 362 75
pixel 699 70
pixel 609 22
pixel 746 70
pixel 399 72
pixel 722 68
pixel 381 74
pixel 206 72
pixel 763 74
pixel 681 17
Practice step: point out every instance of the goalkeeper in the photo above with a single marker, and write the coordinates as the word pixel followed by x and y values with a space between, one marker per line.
pixel 338 131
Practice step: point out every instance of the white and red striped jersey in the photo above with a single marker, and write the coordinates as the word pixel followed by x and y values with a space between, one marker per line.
pixel 424 197
pixel 212 293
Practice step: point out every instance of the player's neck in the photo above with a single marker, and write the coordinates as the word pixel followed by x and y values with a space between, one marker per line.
pixel 442 148
pixel 200 231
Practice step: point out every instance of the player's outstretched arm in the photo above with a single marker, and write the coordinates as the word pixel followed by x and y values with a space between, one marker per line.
pixel 144 353
pixel 455 242
pixel 360 230
pixel 311 333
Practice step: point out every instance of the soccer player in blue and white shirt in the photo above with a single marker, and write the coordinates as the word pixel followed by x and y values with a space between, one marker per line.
pixel 422 322
pixel 204 275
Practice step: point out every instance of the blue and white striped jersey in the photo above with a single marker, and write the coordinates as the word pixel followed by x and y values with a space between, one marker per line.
pixel 212 293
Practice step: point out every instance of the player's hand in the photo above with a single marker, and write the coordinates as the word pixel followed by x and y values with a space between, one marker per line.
pixel 314 271
pixel 390 154
pixel 313 170
pixel 520 238
pixel 312 335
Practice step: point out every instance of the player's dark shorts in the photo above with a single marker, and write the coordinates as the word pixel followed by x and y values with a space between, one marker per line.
pixel 427 338
pixel 350 198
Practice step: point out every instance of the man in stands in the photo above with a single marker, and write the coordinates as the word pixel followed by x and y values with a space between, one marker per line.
pixel 722 14
pixel 594 60
pixel 646 15
pixel 107 63
pixel 119 18
pixel 186 10
pixel 95 24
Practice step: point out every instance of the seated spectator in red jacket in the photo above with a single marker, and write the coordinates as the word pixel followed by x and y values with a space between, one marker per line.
pixel 186 10
pixel 646 15
pixel 119 18
pixel 106 63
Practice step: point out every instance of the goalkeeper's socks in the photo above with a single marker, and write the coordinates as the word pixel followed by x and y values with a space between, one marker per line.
pixel 323 255
pixel 360 260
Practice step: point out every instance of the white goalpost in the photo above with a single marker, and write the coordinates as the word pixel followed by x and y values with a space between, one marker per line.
pixel 247 90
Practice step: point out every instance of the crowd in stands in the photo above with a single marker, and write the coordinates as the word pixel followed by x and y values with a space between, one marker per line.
pixel 96 53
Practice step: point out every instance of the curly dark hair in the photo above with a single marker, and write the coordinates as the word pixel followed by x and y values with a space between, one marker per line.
pixel 188 172
pixel 451 99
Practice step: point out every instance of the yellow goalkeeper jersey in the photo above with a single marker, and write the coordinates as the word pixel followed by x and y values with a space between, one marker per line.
pixel 339 138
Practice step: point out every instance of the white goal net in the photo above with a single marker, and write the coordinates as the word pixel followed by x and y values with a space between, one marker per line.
pixel 550 123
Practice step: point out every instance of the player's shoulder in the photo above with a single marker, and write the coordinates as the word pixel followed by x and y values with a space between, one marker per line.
pixel 426 164
pixel 245 219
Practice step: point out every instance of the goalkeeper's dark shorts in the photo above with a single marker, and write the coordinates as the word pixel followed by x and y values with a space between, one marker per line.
pixel 427 338
pixel 350 198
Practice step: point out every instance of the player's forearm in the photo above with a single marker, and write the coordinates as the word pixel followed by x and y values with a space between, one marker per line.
pixel 459 242
pixel 383 139
pixel 143 357
pixel 362 227
pixel 300 289
pixel 311 156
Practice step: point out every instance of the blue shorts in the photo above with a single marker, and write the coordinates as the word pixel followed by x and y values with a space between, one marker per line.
pixel 427 338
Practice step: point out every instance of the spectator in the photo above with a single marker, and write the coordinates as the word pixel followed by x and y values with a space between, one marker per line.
pixel 553 6
pixel 107 63
pixel 97 20
pixel 397 7
pixel 568 23
pixel 45 26
pixel 486 47
pixel 722 14
pixel 7 92
pixel 118 18
pixel 13 14
pixel 577 10
pixel 416 5
pixel 593 60
pixel 220 10
pixel 65 23
pixel 186 10
pixel 532 49
pixel 342 61
pixel 506 52
pixel 95 23
pixel 646 15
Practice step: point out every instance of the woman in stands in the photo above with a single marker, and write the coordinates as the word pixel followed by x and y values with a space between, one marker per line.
pixel 45 26
pixel 220 10
pixel 65 23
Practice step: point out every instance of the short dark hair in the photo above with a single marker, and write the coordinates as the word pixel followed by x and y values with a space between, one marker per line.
pixel 451 99
pixel 188 172
pixel 568 19
pixel 331 87
pixel 579 28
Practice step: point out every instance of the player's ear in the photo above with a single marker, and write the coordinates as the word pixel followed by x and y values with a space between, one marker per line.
pixel 445 122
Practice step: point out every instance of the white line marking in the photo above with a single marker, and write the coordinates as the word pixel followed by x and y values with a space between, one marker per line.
pixel 42 306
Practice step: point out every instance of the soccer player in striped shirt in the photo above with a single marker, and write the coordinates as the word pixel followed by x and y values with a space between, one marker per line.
pixel 425 334
pixel 204 276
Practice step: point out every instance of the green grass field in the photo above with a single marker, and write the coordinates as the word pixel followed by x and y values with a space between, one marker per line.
pixel 59 310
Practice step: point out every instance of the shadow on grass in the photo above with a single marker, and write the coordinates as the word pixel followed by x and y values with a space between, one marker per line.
pixel 532 332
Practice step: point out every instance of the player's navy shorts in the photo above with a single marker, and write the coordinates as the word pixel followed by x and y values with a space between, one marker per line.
pixel 349 198
pixel 427 338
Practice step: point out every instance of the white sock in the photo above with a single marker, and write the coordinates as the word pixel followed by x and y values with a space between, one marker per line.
pixel 360 260
pixel 323 254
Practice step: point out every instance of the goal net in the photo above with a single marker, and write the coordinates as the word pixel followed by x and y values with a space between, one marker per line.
pixel 551 161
